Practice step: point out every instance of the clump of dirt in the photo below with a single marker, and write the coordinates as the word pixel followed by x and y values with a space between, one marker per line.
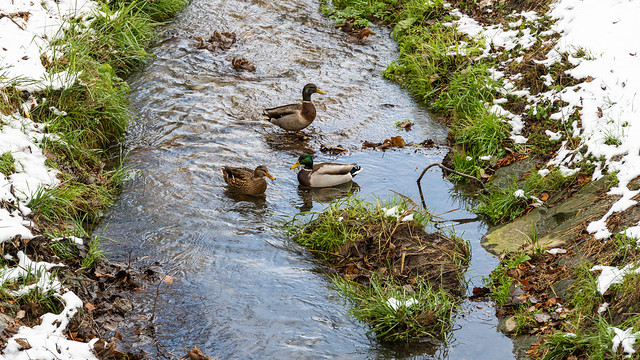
pixel 400 251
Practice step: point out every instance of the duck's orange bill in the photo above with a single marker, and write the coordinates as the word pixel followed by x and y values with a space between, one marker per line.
pixel 295 165
pixel 320 91
pixel 269 176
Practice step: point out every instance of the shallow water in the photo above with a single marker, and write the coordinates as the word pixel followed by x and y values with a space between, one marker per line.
pixel 243 290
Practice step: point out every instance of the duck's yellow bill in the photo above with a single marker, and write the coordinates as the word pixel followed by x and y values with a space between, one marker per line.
pixel 269 176
pixel 320 91
pixel 295 165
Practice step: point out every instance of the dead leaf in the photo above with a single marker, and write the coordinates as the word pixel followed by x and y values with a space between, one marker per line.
pixel 196 354
pixel 21 314
pixel 544 196
pixel 168 279
pixel 589 79
pixel 397 141
pixel 242 64
pixel 23 343
pixel 542 318
pixel 89 306
pixel 405 125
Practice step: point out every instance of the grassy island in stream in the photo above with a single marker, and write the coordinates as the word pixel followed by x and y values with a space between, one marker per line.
pixel 403 281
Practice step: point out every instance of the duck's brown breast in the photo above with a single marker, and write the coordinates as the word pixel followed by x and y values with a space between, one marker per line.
pixel 308 111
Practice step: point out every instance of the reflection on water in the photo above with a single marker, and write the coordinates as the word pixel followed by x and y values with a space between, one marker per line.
pixel 243 290
pixel 310 195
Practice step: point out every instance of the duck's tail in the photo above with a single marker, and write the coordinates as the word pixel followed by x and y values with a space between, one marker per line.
pixel 265 115
pixel 355 170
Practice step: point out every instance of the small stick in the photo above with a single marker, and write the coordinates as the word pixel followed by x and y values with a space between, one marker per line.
pixel 424 205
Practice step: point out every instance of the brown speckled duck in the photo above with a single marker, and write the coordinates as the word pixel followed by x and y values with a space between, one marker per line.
pixel 247 181
pixel 324 174
pixel 294 117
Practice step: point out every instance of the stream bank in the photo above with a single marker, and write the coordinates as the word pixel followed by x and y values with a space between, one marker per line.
pixel 514 82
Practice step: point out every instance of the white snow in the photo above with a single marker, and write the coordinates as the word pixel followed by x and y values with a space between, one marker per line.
pixel 624 338
pixel 612 275
pixel 26 40
pixel 602 308
pixel 397 212
pixel 601 41
pixel 47 337
pixel 395 304
pixel 556 251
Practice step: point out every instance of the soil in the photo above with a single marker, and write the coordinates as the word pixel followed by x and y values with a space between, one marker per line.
pixel 104 288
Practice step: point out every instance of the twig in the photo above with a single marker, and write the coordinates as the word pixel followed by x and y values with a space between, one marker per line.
pixel 424 205
pixel 10 16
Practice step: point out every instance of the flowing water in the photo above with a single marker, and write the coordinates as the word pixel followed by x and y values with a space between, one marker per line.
pixel 242 289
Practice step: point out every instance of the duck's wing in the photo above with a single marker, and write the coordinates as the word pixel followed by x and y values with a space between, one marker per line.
pixel 331 174
pixel 234 175
pixel 333 168
pixel 281 111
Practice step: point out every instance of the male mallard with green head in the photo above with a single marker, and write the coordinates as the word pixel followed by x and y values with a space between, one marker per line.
pixel 247 181
pixel 294 117
pixel 324 174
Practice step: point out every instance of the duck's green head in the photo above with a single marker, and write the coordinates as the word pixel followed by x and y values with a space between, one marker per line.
pixel 308 90
pixel 304 159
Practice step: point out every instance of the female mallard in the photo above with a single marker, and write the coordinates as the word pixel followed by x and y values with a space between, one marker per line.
pixel 294 117
pixel 245 181
pixel 324 174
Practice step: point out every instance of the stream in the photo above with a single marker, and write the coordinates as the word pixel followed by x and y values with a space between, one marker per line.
pixel 242 289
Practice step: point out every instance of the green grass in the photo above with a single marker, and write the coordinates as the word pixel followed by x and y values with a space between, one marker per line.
pixel 428 316
pixel 94 255
pixel 340 223
pixel 359 10
pixel 7 166
pixel 593 343
pixel 374 227
pixel 96 107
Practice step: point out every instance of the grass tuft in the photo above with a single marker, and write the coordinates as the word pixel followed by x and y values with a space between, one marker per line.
pixel 7 162
pixel 420 311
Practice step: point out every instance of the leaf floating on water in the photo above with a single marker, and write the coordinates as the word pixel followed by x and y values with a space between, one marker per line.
pixel 196 354
pixel 242 64
pixel 405 125
pixel 217 41
pixel 326 148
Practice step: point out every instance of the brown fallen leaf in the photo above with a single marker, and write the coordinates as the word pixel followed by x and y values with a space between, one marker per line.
pixel 405 125
pixel 242 64
pixel 544 196
pixel 23 343
pixel 196 354
pixel 397 141
pixel 21 314
pixel 89 306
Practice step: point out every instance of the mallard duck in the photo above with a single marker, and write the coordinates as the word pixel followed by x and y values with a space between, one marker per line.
pixel 247 181
pixel 294 117
pixel 324 174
